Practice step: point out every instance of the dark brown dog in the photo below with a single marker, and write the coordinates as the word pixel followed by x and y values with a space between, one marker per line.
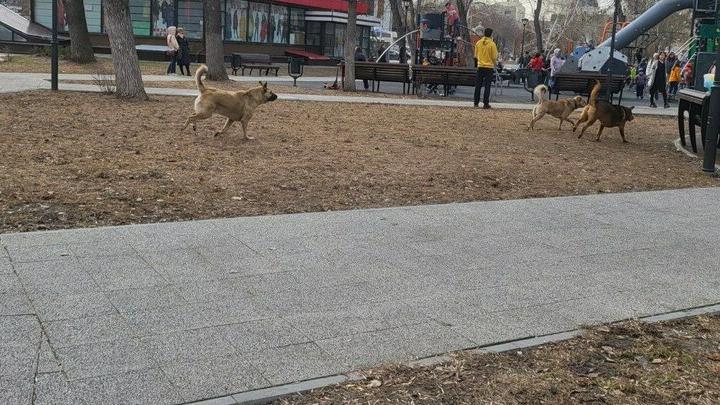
pixel 233 105
pixel 560 109
pixel 608 114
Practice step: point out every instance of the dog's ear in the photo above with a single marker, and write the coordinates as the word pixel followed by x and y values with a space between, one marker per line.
pixel 631 108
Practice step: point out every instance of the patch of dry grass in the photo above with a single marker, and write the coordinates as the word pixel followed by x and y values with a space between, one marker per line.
pixel 78 160
pixel 629 363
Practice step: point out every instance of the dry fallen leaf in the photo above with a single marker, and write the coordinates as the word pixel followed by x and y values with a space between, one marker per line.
pixel 374 384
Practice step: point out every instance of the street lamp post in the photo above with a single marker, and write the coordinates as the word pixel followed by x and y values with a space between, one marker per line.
pixel 711 140
pixel 522 47
pixel 403 50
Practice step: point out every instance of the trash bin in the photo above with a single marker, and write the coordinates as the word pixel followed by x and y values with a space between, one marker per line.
pixel 296 67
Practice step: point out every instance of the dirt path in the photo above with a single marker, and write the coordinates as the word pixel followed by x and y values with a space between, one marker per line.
pixel 79 160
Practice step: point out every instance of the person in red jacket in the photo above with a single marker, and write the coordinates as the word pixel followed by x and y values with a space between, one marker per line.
pixel 536 63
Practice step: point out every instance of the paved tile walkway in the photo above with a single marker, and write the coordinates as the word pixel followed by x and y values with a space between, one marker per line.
pixel 168 313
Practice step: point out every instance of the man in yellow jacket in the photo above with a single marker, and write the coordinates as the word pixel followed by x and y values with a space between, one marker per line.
pixel 486 58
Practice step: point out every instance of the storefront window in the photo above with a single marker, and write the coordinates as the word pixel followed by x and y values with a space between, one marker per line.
pixel 190 17
pixel 163 16
pixel 258 22
pixel 5 34
pixel 364 39
pixel 236 16
pixel 278 27
pixel 334 39
pixel 42 10
pixel 297 26
pixel 140 17
pixel 314 31
pixel 93 14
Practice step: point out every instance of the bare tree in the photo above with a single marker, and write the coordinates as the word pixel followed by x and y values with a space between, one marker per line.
pixel 128 78
pixel 538 26
pixel 351 41
pixel 81 50
pixel 214 49
pixel 403 22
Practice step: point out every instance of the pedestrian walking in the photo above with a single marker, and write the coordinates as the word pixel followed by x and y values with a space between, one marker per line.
pixel 183 58
pixel 657 80
pixel 172 49
pixel 674 79
pixel 640 82
pixel 486 55
pixel 555 64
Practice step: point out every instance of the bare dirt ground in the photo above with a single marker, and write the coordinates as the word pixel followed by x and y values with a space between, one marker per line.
pixel 41 64
pixel 317 88
pixel 81 160
pixel 629 363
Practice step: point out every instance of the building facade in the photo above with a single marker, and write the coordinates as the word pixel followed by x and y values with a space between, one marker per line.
pixel 271 27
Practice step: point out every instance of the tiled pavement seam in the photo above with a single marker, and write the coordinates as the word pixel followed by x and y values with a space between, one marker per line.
pixel 186 311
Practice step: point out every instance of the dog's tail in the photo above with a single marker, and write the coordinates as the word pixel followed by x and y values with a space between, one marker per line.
pixel 198 77
pixel 540 91
pixel 594 93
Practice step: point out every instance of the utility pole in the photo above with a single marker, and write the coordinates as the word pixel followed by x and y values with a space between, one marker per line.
pixel 711 139
pixel 54 48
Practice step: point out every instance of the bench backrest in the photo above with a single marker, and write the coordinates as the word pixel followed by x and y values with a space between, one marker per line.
pixel 387 72
pixel 584 84
pixel 445 75
pixel 254 58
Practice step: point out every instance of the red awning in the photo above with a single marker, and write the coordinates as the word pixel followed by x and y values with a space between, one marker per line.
pixel 333 5
pixel 306 54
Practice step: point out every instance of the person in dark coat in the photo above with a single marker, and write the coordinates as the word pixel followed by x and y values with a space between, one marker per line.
pixel 183 57
pixel 382 57
pixel 659 84
pixel 360 57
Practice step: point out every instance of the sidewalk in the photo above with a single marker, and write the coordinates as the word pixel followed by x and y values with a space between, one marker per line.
pixel 176 312
pixel 12 82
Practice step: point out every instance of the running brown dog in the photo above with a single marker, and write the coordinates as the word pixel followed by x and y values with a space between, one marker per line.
pixel 608 114
pixel 560 109
pixel 233 105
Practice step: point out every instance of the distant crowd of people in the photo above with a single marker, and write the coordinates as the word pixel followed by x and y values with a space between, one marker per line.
pixel 664 74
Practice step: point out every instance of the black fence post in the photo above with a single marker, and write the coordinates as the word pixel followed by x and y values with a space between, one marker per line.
pixel 54 48
pixel 711 138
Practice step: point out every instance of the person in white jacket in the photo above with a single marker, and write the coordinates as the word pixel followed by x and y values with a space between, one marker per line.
pixel 651 68
pixel 172 51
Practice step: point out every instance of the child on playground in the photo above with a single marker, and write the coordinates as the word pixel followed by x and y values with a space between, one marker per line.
pixel 640 82
pixel 674 80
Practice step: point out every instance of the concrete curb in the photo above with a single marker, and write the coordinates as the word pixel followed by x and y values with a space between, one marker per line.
pixel 266 395
pixel 680 148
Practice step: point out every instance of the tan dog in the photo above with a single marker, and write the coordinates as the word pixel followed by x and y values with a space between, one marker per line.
pixel 560 109
pixel 233 105
pixel 608 114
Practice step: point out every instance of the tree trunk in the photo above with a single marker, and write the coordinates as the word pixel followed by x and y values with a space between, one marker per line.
pixel 81 50
pixel 214 49
pixel 351 41
pixel 128 79
pixel 538 27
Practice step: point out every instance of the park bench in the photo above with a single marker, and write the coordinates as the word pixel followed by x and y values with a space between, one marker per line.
pixel 252 61
pixel 383 72
pixel 443 75
pixel 583 82
pixel 697 105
